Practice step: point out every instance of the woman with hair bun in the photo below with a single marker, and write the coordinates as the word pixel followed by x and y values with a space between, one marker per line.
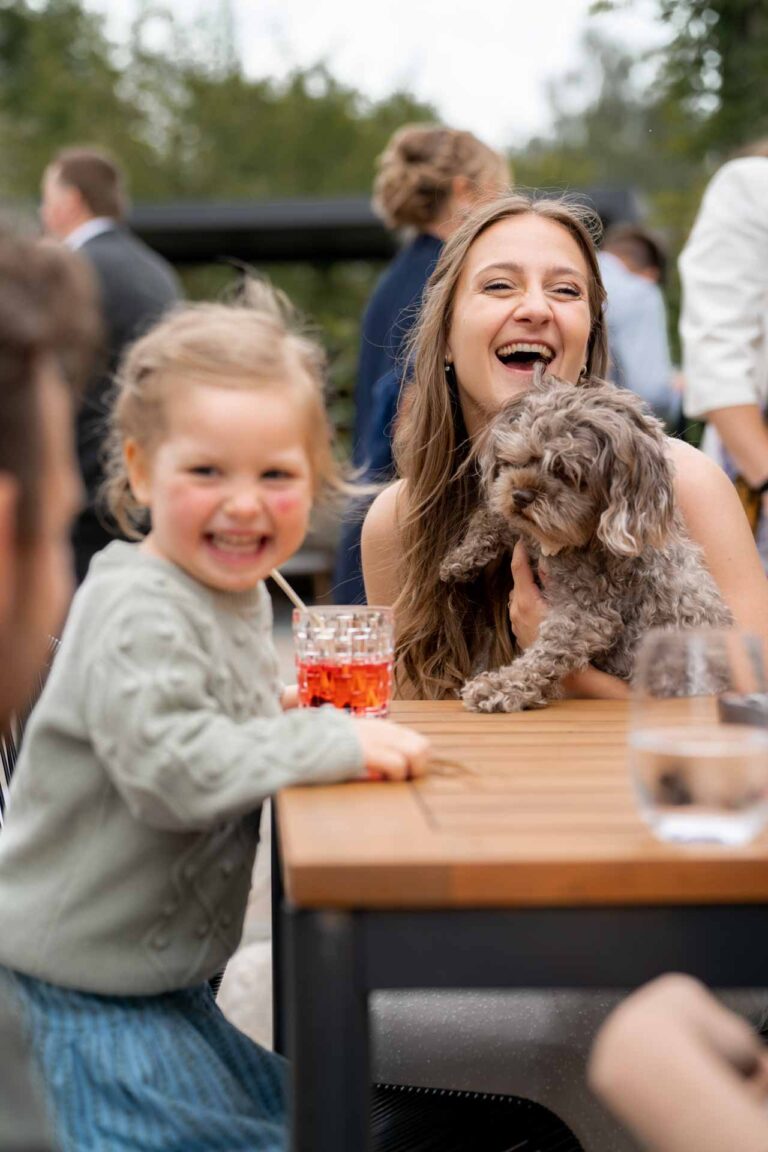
pixel 428 178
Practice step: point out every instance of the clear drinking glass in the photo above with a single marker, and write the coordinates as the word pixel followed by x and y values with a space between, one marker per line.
pixel 344 657
pixel 697 774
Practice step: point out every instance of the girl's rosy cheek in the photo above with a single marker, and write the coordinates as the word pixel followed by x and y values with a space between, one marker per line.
pixel 286 503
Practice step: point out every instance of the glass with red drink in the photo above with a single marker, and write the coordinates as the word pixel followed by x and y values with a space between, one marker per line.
pixel 344 657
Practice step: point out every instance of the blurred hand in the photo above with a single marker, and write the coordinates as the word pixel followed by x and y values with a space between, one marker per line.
pixel 392 752
pixel 678 1009
pixel 527 606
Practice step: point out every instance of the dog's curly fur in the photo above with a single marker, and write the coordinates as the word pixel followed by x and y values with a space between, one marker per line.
pixel 582 474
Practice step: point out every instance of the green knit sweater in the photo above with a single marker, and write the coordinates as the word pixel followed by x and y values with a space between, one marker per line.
pixel 126 859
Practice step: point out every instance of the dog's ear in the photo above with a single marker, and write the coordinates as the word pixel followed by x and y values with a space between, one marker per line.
pixel 637 477
pixel 486 538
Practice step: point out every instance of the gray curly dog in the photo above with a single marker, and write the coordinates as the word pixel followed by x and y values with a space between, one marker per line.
pixel 582 474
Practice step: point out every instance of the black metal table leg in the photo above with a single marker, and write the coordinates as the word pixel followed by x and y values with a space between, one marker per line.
pixel 327 1031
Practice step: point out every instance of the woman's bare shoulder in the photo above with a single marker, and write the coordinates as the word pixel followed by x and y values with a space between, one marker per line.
pixel 698 479
pixel 715 520
pixel 384 514
pixel 380 544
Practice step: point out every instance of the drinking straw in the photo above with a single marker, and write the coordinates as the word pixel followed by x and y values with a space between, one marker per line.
pixel 293 596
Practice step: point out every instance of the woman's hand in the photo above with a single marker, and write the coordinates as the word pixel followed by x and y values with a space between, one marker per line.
pixel 527 606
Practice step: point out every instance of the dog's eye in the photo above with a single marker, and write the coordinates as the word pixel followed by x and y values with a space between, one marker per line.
pixel 558 469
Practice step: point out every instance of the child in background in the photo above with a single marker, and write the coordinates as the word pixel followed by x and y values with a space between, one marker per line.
pixel 127 856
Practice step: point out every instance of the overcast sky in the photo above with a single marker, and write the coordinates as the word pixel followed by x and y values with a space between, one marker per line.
pixel 484 64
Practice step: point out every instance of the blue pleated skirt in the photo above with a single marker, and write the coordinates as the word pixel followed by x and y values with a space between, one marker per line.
pixel 152 1073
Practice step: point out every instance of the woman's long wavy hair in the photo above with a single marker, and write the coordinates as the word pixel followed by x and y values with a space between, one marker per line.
pixel 448 632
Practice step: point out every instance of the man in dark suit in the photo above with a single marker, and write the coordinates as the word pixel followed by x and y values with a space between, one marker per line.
pixel 83 205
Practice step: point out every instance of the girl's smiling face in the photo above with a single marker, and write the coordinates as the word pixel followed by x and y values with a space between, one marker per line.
pixel 229 484
pixel 522 298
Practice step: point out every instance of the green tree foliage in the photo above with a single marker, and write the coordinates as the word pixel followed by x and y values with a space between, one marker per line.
pixel 58 84
pixel 715 68
pixel 662 121
pixel 624 134
pixel 185 121
pixel 709 82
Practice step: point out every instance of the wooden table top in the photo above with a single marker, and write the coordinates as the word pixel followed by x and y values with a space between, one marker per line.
pixel 544 816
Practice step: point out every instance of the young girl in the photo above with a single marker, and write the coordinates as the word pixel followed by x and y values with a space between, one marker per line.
pixel 126 860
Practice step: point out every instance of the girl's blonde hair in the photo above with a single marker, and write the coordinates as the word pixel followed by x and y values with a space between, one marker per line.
pixel 446 632
pixel 417 168
pixel 253 342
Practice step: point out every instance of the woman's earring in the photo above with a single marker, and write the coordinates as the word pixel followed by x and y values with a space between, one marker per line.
pixel 448 367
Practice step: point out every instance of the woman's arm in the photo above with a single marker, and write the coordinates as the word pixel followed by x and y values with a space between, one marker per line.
pixel 682 1072
pixel 716 521
pixel 380 545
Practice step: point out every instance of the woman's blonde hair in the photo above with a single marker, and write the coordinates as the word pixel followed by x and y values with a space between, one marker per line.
pixel 252 342
pixel 447 631
pixel 416 170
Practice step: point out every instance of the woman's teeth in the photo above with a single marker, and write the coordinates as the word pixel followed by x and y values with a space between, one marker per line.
pixel 524 353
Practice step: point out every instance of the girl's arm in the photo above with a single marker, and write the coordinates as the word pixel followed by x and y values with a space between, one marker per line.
pixel 188 746
pixel 682 1072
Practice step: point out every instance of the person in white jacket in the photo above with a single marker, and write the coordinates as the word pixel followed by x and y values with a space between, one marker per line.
pixel 724 323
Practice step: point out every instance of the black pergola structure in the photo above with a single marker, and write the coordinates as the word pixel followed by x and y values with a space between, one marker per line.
pixel 318 231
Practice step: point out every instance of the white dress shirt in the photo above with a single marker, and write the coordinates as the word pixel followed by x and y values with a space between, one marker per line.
pixel 85 232
pixel 724 276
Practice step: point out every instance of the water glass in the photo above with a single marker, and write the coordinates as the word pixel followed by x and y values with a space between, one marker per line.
pixel 697 776
pixel 344 657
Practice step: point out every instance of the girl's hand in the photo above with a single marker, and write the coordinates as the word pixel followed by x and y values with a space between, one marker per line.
pixel 289 697
pixel 527 606
pixel 391 752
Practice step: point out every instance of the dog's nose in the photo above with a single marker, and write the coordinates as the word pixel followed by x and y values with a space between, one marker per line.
pixel 523 497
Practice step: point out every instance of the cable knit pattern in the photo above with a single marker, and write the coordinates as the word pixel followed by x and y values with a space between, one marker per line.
pixel 127 855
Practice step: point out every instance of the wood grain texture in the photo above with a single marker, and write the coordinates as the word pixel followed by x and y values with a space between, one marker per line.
pixel 543 816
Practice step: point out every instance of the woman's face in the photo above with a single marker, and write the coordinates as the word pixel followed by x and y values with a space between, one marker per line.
pixel 521 299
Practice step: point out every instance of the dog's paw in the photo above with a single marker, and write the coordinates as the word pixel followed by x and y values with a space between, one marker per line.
pixel 489 693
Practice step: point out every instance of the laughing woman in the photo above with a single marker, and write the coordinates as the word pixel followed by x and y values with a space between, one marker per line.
pixel 517 284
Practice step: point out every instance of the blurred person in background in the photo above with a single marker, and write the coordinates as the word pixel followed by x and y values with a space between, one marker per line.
pixel 724 326
pixel 681 1071
pixel 49 328
pixel 633 266
pixel 428 178
pixel 84 204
